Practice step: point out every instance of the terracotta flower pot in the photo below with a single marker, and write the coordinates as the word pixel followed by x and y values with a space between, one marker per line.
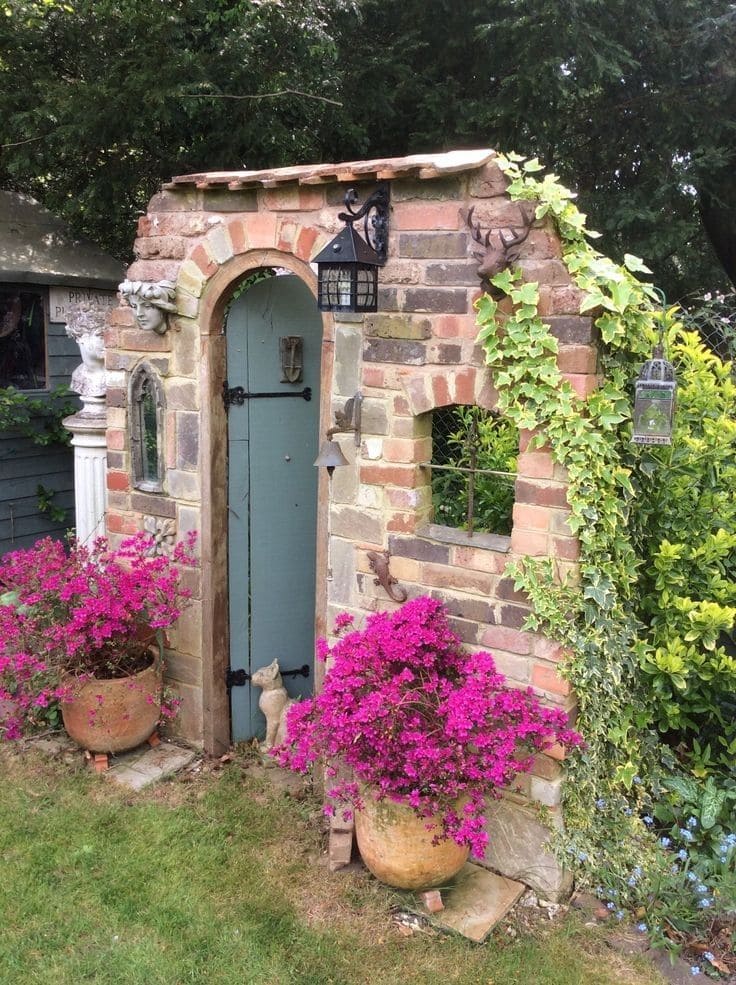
pixel 114 715
pixel 397 847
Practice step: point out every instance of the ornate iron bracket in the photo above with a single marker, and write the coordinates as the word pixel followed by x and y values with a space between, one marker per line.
pixel 375 212
pixel 379 562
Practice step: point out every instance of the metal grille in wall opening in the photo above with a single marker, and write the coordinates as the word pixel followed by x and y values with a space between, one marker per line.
pixel 473 469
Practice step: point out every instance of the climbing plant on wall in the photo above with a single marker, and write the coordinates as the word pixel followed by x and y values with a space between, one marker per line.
pixel 649 623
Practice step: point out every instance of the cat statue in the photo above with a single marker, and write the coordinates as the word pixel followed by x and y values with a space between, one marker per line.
pixel 273 702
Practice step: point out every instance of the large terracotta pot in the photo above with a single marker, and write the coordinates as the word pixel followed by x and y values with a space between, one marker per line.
pixel 397 847
pixel 114 715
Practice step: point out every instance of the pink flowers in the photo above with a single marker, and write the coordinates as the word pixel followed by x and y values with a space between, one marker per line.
pixel 420 720
pixel 73 611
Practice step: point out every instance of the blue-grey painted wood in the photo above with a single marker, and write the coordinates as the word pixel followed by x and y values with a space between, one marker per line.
pixel 63 355
pixel 272 492
pixel 24 466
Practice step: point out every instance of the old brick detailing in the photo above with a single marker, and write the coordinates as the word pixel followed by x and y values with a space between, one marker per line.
pixel 417 353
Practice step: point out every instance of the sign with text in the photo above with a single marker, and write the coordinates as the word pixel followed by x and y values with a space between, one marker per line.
pixel 62 298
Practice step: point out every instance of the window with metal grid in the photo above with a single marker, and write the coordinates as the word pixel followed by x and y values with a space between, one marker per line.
pixel 473 466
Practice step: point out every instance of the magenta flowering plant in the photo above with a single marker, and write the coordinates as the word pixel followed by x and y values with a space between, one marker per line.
pixel 419 720
pixel 72 612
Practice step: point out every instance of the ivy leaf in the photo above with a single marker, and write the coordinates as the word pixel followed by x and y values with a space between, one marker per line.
pixel 635 264
pixel 621 294
pixel 533 165
pixel 592 300
pixel 527 294
pixel 504 281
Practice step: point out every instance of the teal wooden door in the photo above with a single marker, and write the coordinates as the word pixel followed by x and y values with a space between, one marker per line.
pixel 272 492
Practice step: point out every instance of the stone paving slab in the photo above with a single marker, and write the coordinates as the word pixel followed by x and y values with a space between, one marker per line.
pixel 474 902
pixel 146 765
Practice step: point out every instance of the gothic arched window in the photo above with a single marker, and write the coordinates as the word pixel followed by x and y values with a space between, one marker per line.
pixel 147 429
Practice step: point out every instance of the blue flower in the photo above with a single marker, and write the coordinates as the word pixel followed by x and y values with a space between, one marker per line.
pixel 709 956
pixel 691 877
pixel 583 856
pixel 686 835
pixel 695 970
pixel 704 904
pixel 648 820
pixel 641 927
pixel 682 854
pixel 636 780
pixel 700 889
pixel 674 869
pixel 619 914
pixel 628 812
pixel 600 803
pixel 665 842
pixel 612 906
pixel 631 881
pixel 692 822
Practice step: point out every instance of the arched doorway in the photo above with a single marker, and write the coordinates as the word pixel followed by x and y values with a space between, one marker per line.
pixel 273 436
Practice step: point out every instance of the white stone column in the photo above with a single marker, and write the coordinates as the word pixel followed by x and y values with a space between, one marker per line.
pixel 86 324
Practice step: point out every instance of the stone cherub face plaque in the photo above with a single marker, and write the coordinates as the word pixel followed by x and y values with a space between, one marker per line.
pixel 151 301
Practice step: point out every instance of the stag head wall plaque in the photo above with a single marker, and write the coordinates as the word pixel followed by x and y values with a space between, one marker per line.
pixel 499 247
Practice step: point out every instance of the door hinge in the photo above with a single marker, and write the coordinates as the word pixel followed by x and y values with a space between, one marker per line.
pixel 239 678
pixel 237 395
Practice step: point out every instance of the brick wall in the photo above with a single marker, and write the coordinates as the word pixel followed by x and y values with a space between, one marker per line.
pixel 417 353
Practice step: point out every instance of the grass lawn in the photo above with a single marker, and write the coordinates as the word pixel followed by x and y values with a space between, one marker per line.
pixel 218 878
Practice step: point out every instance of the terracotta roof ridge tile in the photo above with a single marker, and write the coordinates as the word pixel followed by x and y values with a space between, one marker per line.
pixel 423 166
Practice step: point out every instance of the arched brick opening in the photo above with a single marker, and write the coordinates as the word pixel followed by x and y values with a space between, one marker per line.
pixel 225 270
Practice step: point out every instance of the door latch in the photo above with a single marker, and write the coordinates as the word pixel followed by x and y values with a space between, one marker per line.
pixel 238 395
pixel 239 678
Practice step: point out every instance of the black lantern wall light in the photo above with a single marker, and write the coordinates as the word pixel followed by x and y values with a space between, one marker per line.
pixel 654 397
pixel 347 268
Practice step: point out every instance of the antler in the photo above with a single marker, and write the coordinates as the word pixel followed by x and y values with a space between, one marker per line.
pixel 517 238
pixel 475 229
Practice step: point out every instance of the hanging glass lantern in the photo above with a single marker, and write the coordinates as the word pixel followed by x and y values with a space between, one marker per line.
pixel 347 268
pixel 347 274
pixel 654 401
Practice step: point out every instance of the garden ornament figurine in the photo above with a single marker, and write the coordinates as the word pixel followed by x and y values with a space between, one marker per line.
pixel 273 702
pixel 501 251
pixel 152 302
pixel 86 325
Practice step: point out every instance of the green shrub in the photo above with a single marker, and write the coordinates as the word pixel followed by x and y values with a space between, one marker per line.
pixel 684 531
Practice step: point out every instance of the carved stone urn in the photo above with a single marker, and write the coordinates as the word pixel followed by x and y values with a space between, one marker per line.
pixel 397 847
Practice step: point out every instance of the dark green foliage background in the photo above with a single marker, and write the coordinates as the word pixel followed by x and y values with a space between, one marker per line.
pixel 101 101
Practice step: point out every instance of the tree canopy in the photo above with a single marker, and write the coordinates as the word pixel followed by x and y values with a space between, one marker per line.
pixel 101 100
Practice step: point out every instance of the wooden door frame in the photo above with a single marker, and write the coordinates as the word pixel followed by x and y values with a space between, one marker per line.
pixel 213 434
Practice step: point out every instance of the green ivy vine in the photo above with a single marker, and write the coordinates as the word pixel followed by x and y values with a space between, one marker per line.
pixel 593 615
pixel 38 418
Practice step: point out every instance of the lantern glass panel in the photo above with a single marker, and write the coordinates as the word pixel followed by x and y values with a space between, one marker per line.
pixel 366 295
pixel 653 408
pixel 335 288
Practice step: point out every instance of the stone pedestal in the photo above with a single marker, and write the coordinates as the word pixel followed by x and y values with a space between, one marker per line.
pixel 90 467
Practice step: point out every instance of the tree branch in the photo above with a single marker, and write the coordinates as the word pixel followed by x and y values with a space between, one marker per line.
pixel 263 95
pixel 19 143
